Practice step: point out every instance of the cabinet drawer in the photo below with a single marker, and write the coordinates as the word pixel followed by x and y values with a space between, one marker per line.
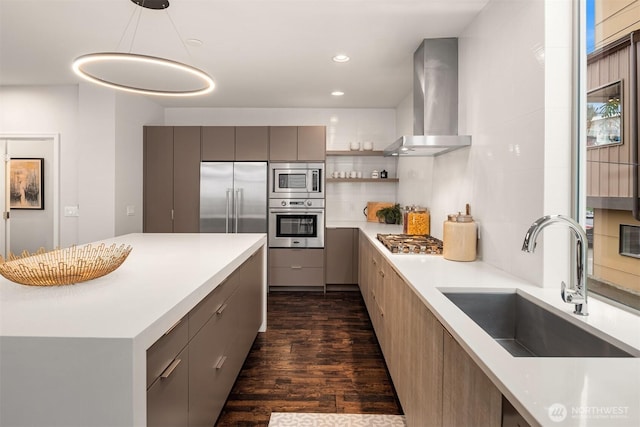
pixel 296 258
pixel 162 352
pixel 211 304
pixel 167 398
pixel 287 276
pixel 210 379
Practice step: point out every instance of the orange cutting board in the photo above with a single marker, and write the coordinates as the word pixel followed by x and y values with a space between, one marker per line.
pixel 372 208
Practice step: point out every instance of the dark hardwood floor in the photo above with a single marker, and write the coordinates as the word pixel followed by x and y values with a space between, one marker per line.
pixel 319 354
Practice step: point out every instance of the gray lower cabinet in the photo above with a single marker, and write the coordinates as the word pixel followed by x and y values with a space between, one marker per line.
pixel 296 267
pixel 209 376
pixel 192 368
pixel 168 397
pixel 341 256
pixel 437 382
pixel 469 397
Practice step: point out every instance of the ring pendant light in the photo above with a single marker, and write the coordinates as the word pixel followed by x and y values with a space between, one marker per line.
pixel 82 66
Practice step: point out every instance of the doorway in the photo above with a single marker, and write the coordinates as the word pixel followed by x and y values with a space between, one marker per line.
pixel 31 162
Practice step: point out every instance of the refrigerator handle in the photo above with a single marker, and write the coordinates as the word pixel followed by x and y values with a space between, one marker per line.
pixel 226 226
pixel 235 209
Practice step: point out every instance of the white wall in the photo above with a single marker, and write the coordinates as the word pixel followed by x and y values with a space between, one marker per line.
pixel 100 151
pixel 344 201
pixel 48 110
pixel 131 114
pixel 96 163
pixel 514 79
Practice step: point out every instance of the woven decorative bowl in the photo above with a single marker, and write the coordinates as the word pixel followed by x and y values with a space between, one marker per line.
pixel 64 266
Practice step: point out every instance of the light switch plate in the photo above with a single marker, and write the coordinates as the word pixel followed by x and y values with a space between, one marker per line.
pixel 71 211
pixel 131 210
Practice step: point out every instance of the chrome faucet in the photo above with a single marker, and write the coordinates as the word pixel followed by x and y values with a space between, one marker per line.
pixel 575 294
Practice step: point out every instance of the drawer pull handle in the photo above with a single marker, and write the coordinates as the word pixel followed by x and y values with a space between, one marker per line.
pixel 173 327
pixel 296 267
pixel 221 309
pixel 220 362
pixel 381 273
pixel 165 374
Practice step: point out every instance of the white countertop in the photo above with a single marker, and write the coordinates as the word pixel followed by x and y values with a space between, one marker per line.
pixel 594 391
pixel 135 297
pixel 75 355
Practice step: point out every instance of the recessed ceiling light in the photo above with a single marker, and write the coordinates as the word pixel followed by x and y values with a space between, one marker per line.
pixel 193 42
pixel 337 93
pixel 341 58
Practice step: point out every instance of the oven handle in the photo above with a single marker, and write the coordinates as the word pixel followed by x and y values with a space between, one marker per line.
pixel 293 211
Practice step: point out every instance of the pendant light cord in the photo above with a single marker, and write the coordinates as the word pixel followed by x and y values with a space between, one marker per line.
pixel 135 30
pixel 184 45
pixel 126 28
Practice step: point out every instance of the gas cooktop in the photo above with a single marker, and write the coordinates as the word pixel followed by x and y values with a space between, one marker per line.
pixel 411 243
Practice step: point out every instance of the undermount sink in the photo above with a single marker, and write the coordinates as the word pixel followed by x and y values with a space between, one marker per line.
pixel 526 329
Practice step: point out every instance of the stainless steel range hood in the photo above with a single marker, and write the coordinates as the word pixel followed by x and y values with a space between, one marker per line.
pixel 435 102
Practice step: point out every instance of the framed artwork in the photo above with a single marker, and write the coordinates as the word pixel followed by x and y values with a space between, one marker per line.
pixel 26 183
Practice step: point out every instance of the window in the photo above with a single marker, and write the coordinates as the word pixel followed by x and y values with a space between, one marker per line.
pixel 612 151
pixel 630 240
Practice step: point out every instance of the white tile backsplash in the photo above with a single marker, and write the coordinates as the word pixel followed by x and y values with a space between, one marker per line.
pixel 346 201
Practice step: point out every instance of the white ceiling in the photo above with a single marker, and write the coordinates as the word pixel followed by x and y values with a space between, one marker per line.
pixel 260 53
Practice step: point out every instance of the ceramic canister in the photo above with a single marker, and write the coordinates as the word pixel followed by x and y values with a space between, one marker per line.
pixel 459 238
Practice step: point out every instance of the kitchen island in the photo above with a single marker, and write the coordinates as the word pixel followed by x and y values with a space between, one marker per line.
pixel 563 391
pixel 76 355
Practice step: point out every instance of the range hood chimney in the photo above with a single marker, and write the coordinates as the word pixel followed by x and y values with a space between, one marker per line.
pixel 435 102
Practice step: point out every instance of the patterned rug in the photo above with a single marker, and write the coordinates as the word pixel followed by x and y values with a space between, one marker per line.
pixel 295 419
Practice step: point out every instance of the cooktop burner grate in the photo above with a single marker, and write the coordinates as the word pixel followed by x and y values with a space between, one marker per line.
pixel 411 243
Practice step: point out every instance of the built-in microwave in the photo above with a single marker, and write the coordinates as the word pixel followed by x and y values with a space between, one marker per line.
pixel 296 180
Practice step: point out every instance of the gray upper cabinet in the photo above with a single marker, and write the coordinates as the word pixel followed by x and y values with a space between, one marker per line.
pixel 292 143
pixel 283 142
pixel 252 143
pixel 171 179
pixel 218 143
pixel 229 143
pixel 312 143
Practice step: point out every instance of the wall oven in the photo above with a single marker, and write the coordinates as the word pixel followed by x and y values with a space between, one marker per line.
pixel 296 223
pixel 296 180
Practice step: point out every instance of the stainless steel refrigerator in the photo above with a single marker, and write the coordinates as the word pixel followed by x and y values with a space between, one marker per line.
pixel 233 197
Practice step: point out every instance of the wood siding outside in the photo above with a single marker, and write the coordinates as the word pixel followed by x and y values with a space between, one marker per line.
pixel 615 19
pixel 609 171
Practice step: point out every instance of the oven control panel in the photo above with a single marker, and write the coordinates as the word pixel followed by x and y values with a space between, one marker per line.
pixel 296 203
